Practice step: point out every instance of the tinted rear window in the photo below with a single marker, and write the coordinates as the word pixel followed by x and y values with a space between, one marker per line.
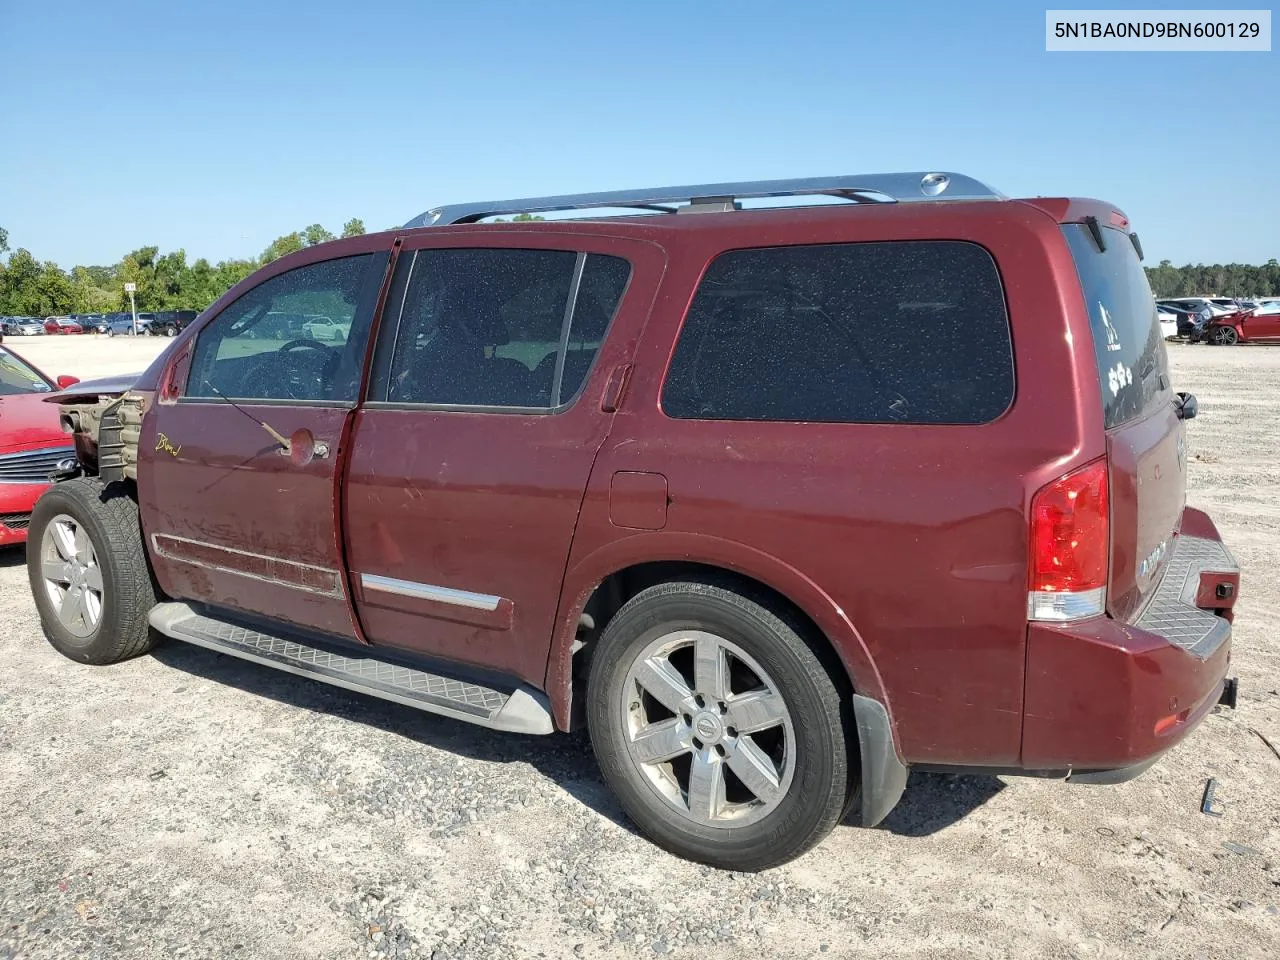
pixel 1128 345
pixel 895 332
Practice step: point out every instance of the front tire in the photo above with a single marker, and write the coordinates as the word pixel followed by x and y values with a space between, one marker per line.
pixel 88 570
pixel 718 727
pixel 1224 336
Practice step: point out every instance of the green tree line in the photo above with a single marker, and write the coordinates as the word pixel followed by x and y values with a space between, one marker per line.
pixel 1218 280
pixel 31 287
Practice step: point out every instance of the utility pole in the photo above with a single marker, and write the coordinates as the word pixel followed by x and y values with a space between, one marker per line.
pixel 129 288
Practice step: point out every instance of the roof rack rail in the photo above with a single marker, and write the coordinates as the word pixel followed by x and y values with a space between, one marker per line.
pixel 865 188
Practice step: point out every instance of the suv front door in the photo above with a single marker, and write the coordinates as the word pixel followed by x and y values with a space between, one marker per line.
pixel 233 518
pixel 485 412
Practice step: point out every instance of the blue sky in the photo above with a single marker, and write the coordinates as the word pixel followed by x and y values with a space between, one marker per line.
pixel 218 126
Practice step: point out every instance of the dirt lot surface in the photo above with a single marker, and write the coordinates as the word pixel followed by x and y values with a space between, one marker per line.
pixel 188 805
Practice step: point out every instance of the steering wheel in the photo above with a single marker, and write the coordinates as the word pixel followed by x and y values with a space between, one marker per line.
pixel 273 369
pixel 303 342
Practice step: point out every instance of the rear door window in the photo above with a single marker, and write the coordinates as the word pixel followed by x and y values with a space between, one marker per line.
pixel 502 329
pixel 1128 345
pixel 887 332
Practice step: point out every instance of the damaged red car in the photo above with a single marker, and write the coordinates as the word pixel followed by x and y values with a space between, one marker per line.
pixel 32 442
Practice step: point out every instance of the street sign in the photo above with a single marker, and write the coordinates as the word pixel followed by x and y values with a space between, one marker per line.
pixel 130 288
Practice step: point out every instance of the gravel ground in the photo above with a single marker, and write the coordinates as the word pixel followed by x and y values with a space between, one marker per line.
pixel 188 805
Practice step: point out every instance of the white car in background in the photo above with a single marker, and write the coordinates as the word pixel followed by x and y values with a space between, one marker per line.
pixel 324 328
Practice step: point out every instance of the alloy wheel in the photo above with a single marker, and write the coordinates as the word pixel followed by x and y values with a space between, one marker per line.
pixel 72 575
pixel 708 730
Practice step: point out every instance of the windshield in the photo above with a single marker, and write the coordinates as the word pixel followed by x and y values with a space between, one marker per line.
pixel 1128 344
pixel 17 377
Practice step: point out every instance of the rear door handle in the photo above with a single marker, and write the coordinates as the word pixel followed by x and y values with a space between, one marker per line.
pixel 616 388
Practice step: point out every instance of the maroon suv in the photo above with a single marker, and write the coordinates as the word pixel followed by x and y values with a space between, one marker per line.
pixel 780 503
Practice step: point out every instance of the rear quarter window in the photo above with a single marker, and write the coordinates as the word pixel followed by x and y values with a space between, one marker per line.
pixel 1133 367
pixel 884 332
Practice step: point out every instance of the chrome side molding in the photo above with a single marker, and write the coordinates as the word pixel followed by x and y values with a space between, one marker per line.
pixel 427 591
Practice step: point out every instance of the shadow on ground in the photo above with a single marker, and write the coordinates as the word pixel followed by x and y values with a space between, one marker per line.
pixel 565 758
pixel 931 803
pixel 12 556
pixel 934 801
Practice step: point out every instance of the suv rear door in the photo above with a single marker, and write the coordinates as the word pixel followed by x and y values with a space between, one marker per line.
pixel 486 408
pixel 1145 445
pixel 231 521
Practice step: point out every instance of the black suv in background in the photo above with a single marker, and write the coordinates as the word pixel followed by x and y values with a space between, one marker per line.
pixel 170 323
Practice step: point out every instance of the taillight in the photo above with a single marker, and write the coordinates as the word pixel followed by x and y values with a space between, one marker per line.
pixel 1070 543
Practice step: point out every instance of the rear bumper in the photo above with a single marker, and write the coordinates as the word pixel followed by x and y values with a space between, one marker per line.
pixel 1105 698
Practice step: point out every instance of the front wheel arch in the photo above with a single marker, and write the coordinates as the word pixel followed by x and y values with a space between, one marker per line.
pixel 108 513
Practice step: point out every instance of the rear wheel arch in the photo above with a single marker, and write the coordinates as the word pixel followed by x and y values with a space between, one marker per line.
pixel 594 591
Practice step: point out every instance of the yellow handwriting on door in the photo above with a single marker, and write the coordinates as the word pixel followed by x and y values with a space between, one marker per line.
pixel 165 444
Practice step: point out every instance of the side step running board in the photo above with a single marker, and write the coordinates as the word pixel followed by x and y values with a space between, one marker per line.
pixel 521 710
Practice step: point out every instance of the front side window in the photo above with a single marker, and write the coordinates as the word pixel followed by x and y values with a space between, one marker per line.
pixel 885 332
pixel 500 328
pixel 299 336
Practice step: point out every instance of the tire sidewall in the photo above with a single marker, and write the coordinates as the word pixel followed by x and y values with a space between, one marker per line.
pixel 816 722
pixel 73 500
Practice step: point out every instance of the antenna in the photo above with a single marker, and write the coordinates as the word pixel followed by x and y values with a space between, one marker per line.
pixel 276 436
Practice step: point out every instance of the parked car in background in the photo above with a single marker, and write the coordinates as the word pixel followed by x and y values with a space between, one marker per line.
pixel 62 325
pixel 704 484
pixel 1245 326
pixel 116 324
pixel 1171 321
pixel 281 325
pixel 145 320
pixel 26 326
pixel 170 323
pixel 32 442
pixel 89 322
pixel 1196 304
pixel 325 329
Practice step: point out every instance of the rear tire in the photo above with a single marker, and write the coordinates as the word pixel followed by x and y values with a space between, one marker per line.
pixel 749 710
pixel 83 535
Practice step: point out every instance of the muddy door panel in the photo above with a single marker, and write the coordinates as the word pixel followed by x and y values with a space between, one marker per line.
pixel 234 522
pixel 470 459
pixel 239 461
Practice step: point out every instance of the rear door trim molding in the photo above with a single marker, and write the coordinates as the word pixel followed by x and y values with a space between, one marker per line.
pixel 428 591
